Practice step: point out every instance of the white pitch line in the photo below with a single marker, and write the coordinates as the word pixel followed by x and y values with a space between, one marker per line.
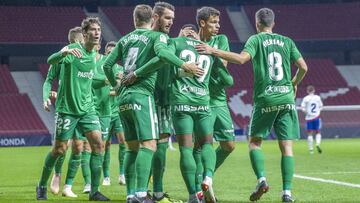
pixel 333 173
pixel 327 181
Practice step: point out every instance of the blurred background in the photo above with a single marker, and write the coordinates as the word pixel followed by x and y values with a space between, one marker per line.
pixel 326 32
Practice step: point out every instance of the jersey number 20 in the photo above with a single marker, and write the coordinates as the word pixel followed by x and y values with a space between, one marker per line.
pixel 203 60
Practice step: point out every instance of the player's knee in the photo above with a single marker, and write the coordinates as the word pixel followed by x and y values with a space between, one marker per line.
pixel 107 144
pixel 228 146
pixel 149 144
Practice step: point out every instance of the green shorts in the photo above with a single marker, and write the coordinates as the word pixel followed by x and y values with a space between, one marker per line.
pixel 222 122
pixel 283 118
pixel 137 113
pixel 164 119
pixel 78 135
pixel 188 119
pixel 66 125
pixel 105 124
pixel 115 125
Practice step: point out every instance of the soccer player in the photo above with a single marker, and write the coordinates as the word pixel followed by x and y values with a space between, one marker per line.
pixel 274 93
pixel 137 109
pixel 192 115
pixel 163 14
pixel 312 105
pixel 75 36
pixel 208 20
pixel 76 106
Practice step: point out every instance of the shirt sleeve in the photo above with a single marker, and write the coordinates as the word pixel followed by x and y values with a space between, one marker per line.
pixel 224 43
pixel 110 61
pixel 294 52
pixel 251 46
pixel 164 53
pixel 52 74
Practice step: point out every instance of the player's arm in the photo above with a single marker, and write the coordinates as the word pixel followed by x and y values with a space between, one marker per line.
pixel 223 78
pixel 303 105
pixel 61 55
pixel 167 55
pixel 321 105
pixel 53 73
pixel 230 57
pixel 110 61
pixel 96 84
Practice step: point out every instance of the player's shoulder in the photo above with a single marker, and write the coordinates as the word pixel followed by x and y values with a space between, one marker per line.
pixel 74 45
pixel 221 37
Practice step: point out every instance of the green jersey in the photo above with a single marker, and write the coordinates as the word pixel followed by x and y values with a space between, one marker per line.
pixel 115 100
pixel 272 55
pixel 101 92
pixel 186 89
pixel 135 50
pixel 75 96
pixel 53 73
pixel 162 86
pixel 218 77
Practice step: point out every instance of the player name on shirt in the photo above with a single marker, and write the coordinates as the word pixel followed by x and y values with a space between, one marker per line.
pixel 273 42
pixel 135 37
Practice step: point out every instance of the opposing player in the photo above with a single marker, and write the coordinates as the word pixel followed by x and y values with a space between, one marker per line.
pixel 312 105
pixel 76 106
pixel 274 93
pixel 137 109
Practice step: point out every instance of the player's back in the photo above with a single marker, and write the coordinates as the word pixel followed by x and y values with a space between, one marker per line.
pixel 137 49
pixel 312 104
pixel 272 55
pixel 186 88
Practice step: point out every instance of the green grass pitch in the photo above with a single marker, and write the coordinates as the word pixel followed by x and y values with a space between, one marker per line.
pixel 20 170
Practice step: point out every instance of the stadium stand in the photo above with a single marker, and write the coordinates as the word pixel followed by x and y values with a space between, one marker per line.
pixel 7 83
pixel 291 21
pixel 115 14
pixel 38 24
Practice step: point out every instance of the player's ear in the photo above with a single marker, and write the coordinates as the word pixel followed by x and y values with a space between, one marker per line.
pixel 202 23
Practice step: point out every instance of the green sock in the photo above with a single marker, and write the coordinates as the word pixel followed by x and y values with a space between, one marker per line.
pixel 158 165
pixel 188 168
pixel 121 156
pixel 208 156
pixel 47 169
pixel 221 155
pixel 106 164
pixel 129 169
pixel 257 162
pixel 85 166
pixel 74 164
pixel 199 169
pixel 143 167
pixel 287 171
pixel 96 161
pixel 59 163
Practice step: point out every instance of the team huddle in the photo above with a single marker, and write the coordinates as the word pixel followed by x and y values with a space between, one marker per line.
pixel 163 84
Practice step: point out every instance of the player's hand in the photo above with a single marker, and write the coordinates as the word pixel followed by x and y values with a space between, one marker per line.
pixel 112 93
pixel 120 75
pixel 76 52
pixel 188 31
pixel 53 95
pixel 46 105
pixel 129 79
pixel 204 48
pixel 193 69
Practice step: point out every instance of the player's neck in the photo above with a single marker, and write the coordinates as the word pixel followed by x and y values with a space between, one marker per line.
pixel 89 46
pixel 145 26
pixel 204 36
pixel 266 30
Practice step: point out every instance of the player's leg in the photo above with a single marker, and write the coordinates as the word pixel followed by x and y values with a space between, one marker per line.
pixel 90 126
pixel 310 138
pixel 199 176
pixel 65 126
pixel 105 124
pixel 223 133
pixel 286 128
pixel 184 125
pixel 85 166
pixel 117 128
pixel 56 179
pixel 74 163
pixel 318 135
pixel 260 127
pixel 203 132
pixel 147 133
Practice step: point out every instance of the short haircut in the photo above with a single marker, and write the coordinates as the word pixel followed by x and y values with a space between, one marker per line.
pixel 192 26
pixel 205 12
pixel 110 44
pixel 310 89
pixel 74 33
pixel 142 14
pixel 160 7
pixel 265 16
pixel 85 24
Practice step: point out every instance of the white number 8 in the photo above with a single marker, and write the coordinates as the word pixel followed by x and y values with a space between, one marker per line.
pixel 276 71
